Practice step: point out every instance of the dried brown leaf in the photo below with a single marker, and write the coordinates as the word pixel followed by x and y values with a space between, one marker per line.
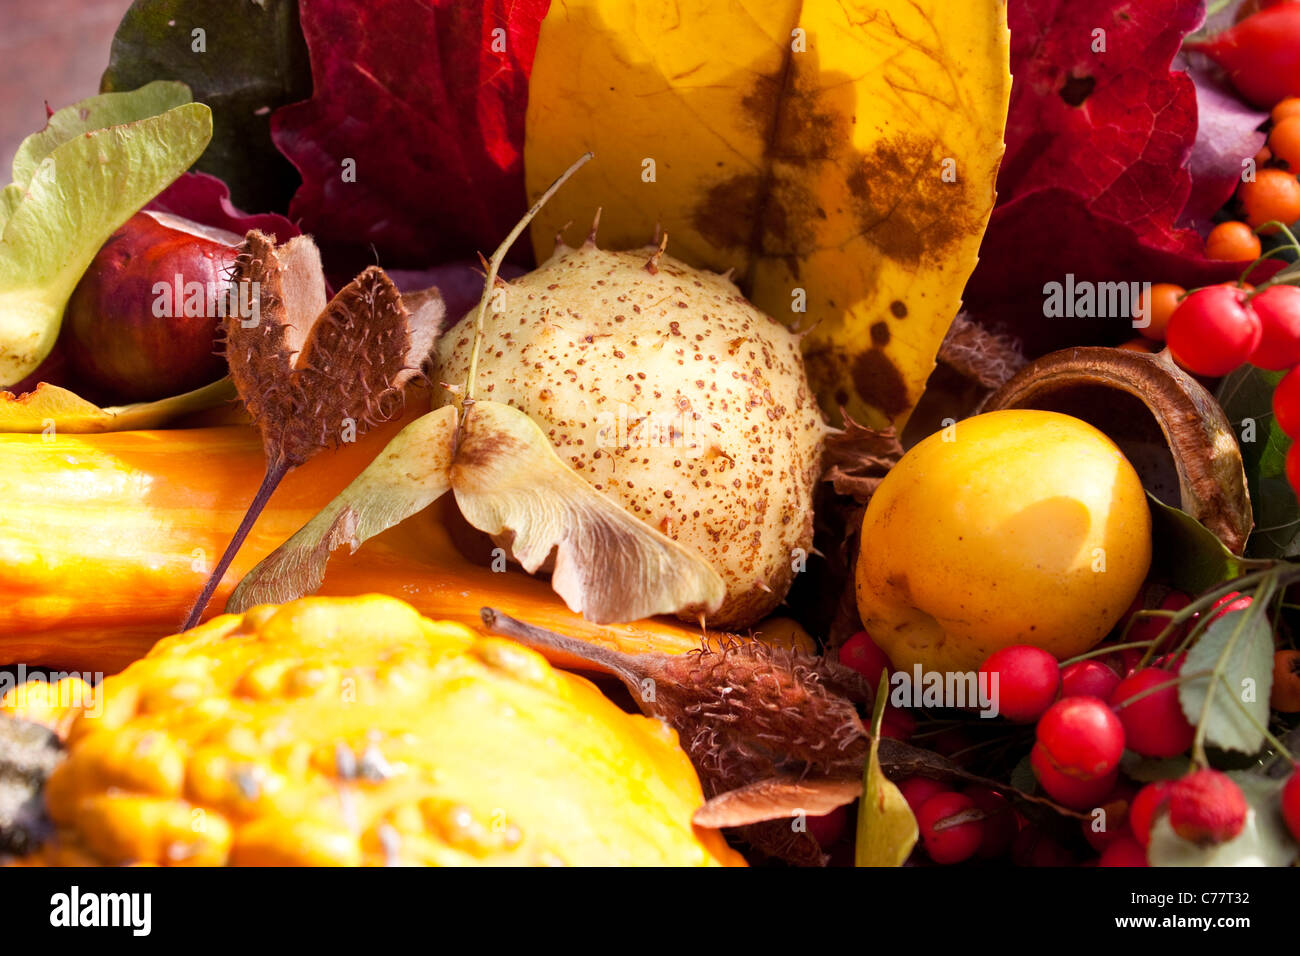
pixel 777 798
pixel 858 458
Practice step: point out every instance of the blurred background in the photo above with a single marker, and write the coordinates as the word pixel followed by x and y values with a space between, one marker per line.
pixel 50 51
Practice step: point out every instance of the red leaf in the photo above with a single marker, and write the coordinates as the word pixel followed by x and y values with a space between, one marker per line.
pixel 1226 134
pixel 421 98
pixel 1098 170
pixel 205 199
pixel 1048 233
pixel 1116 125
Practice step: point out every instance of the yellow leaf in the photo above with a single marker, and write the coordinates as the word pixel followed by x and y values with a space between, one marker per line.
pixel 49 408
pixel 840 156
pixel 887 829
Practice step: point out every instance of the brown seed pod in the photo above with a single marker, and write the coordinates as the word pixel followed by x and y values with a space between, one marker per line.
pixel 313 373
pixel 744 712
pixel 1166 423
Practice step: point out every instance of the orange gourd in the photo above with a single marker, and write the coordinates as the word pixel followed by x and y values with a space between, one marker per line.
pixel 353 731
pixel 106 540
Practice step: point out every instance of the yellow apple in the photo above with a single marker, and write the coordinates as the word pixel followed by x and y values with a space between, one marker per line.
pixel 1012 527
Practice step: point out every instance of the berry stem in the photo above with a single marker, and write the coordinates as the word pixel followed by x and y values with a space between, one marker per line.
pixel 494 267
pixel 1290 246
pixel 1103 651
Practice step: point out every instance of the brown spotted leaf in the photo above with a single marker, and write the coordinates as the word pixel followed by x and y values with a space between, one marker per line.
pixel 840 156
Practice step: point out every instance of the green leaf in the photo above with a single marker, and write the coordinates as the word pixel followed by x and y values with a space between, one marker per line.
pixel 49 406
pixel 253 60
pixel 1265 840
pixel 1247 399
pixel 1149 769
pixel 887 829
pixel 80 193
pixel 96 112
pixel 1238 649
pixel 1188 555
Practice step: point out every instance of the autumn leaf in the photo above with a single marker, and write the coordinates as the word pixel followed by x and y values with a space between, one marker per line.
pixel 52 409
pixel 839 156
pixel 205 199
pixel 1098 172
pixel 887 830
pixel 243 58
pixel 435 170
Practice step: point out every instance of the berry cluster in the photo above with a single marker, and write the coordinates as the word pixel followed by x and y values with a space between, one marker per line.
pixel 1085 715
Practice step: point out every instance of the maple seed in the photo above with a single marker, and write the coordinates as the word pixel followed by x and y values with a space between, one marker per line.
pixel 306 365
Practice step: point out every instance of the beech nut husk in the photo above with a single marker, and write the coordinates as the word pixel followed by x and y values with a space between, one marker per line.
pixel 1169 426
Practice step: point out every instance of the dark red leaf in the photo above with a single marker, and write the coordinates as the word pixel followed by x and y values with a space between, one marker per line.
pixel 431 115
pixel 1116 125
pixel 1226 133
pixel 1048 233
pixel 205 199
pixel 1102 146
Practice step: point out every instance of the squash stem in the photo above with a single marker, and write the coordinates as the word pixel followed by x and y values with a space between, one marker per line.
pixel 270 481
pixel 623 666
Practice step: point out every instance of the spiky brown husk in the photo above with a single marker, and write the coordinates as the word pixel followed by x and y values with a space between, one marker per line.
pixel 305 373
pixel 743 712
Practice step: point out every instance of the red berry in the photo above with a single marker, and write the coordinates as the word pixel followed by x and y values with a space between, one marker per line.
pixel 1069 791
pixel 897 723
pixel 1291 803
pixel 1213 330
pixel 1124 662
pixel 943 841
pixel 1146 804
pixel 1000 823
pixel 1286 404
pixel 1207 807
pixel 1278 308
pixel 917 790
pixel 1082 737
pixel 1154 725
pixel 1035 848
pixel 1089 678
pixel 829 828
pixel 1023 681
pixel 1108 821
pixel 1125 851
pixel 861 653
pixel 1228 604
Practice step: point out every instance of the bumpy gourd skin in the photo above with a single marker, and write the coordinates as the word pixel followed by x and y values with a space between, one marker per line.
pixel 352 731
pixel 593 342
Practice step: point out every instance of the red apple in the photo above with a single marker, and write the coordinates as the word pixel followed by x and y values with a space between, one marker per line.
pixel 142 322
